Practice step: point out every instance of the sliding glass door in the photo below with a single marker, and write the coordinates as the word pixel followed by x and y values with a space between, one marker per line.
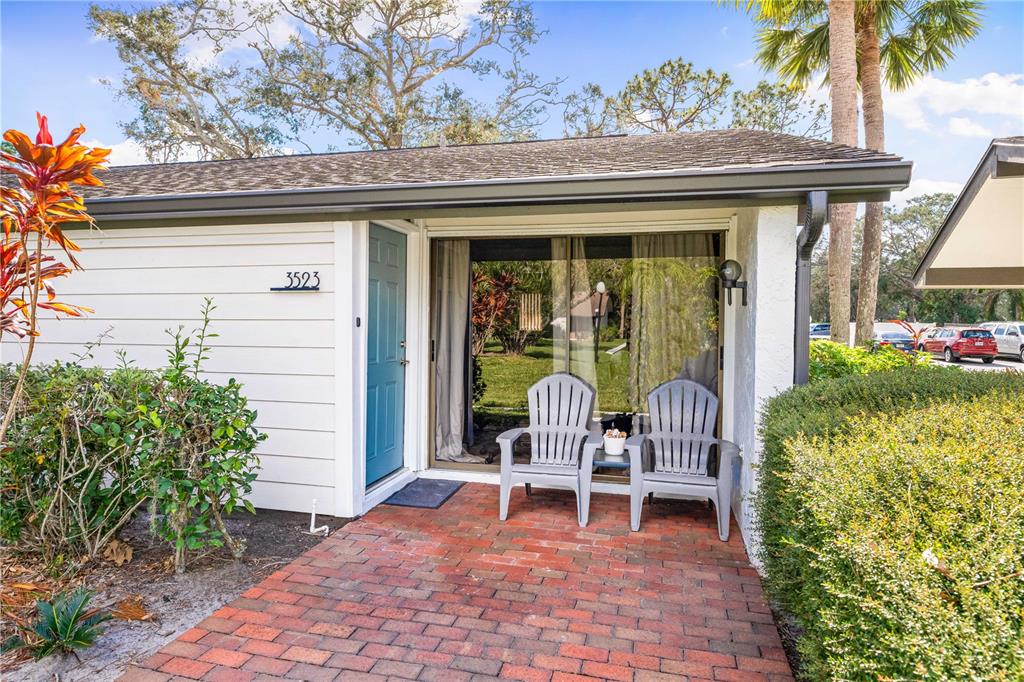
pixel 624 313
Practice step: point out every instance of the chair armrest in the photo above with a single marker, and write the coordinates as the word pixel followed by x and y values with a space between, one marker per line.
pixel 636 441
pixel 590 446
pixel 505 441
pixel 635 448
pixel 729 458
pixel 512 435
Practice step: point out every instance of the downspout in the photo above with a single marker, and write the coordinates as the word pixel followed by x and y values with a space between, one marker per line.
pixel 815 213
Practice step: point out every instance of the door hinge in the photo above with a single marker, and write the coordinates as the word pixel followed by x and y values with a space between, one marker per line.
pixel 721 357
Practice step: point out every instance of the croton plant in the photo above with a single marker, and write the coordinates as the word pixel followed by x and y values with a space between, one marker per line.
pixel 39 196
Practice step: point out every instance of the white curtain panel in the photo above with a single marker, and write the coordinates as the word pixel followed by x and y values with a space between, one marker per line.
pixel 573 318
pixel 450 324
pixel 674 321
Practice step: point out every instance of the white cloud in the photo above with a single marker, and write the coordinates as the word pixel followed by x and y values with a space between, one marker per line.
pixel 921 186
pixel 126 153
pixel 994 94
pixel 131 153
pixel 965 127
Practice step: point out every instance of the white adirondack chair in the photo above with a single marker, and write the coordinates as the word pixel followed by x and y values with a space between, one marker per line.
pixel 673 457
pixel 561 406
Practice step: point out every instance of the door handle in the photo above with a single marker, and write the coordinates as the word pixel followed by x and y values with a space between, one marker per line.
pixel 403 362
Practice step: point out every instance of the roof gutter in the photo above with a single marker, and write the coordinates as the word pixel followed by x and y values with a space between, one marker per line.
pixel 815 214
pixel 851 181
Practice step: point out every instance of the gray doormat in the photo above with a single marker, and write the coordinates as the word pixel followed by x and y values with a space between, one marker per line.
pixel 428 493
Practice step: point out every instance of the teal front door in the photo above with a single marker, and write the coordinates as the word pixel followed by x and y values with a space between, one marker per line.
pixel 385 354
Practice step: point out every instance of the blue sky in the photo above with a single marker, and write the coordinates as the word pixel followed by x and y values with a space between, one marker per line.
pixel 50 62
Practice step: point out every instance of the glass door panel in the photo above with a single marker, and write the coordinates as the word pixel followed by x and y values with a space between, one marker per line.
pixel 625 313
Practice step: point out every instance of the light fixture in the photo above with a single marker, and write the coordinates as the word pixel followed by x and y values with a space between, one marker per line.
pixel 730 272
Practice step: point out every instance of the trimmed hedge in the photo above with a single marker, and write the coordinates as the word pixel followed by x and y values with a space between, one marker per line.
pixel 892 523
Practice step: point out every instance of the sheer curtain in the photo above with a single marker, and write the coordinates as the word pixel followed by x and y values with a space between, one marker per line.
pixel 674 321
pixel 573 318
pixel 452 411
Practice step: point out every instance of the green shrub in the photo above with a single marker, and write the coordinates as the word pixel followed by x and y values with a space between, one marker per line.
pixel 859 476
pixel 199 449
pixel 88 447
pixel 64 625
pixel 69 476
pixel 829 360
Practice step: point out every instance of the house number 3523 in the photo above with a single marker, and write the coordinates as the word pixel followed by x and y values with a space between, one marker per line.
pixel 300 281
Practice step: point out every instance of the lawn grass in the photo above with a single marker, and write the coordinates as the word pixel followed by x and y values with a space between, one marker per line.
pixel 509 377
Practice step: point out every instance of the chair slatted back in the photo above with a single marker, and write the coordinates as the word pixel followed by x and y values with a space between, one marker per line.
pixel 561 406
pixel 681 410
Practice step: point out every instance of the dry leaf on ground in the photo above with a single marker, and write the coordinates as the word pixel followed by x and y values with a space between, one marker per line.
pixel 131 608
pixel 118 552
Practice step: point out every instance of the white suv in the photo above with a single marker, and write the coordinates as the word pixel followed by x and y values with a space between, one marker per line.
pixel 1009 337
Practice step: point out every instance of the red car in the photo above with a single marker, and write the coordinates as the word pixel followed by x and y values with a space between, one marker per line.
pixel 953 344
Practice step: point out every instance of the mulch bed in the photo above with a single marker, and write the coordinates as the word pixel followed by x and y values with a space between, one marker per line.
pixel 153 603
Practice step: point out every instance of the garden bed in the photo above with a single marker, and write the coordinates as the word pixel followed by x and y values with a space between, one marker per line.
pixel 173 602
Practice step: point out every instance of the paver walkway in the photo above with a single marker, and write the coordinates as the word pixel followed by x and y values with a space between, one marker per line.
pixel 454 594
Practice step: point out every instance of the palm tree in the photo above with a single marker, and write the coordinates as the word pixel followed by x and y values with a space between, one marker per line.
pixel 842 60
pixel 897 41
pixel 1014 304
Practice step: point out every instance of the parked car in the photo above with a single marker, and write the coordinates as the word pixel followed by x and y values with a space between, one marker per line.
pixel 1009 338
pixel 821 330
pixel 899 340
pixel 954 344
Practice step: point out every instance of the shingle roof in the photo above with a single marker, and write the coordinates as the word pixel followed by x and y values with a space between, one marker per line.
pixel 665 152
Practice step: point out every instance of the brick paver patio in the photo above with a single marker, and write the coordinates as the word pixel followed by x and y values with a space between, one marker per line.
pixel 454 594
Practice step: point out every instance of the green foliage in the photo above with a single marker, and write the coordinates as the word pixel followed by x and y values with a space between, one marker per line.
pixel 780 108
pixel 64 626
pixel 864 479
pixel 380 73
pixel 672 97
pixel 69 476
pixel 829 360
pixel 917 36
pixel 586 114
pixel 200 449
pixel 87 448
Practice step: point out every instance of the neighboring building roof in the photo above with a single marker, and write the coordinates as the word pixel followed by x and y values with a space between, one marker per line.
pixel 574 157
pixel 980 244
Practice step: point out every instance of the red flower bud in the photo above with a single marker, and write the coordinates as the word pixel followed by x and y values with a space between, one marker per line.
pixel 44 136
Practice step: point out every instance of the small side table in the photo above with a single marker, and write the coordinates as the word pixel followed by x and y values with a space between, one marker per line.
pixel 602 459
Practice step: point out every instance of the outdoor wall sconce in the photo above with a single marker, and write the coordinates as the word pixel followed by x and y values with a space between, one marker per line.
pixel 730 272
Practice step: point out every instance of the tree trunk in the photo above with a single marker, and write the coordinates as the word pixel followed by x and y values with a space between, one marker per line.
pixel 842 57
pixel 874 137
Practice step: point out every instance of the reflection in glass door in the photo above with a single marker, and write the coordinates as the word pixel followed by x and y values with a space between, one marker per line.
pixel 624 313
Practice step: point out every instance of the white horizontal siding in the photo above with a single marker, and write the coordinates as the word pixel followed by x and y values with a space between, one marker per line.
pixel 206 280
pixel 292 496
pixel 136 332
pixel 224 360
pixel 280 346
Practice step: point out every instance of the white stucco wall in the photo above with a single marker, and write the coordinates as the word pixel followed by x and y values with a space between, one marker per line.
pixel 765 241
